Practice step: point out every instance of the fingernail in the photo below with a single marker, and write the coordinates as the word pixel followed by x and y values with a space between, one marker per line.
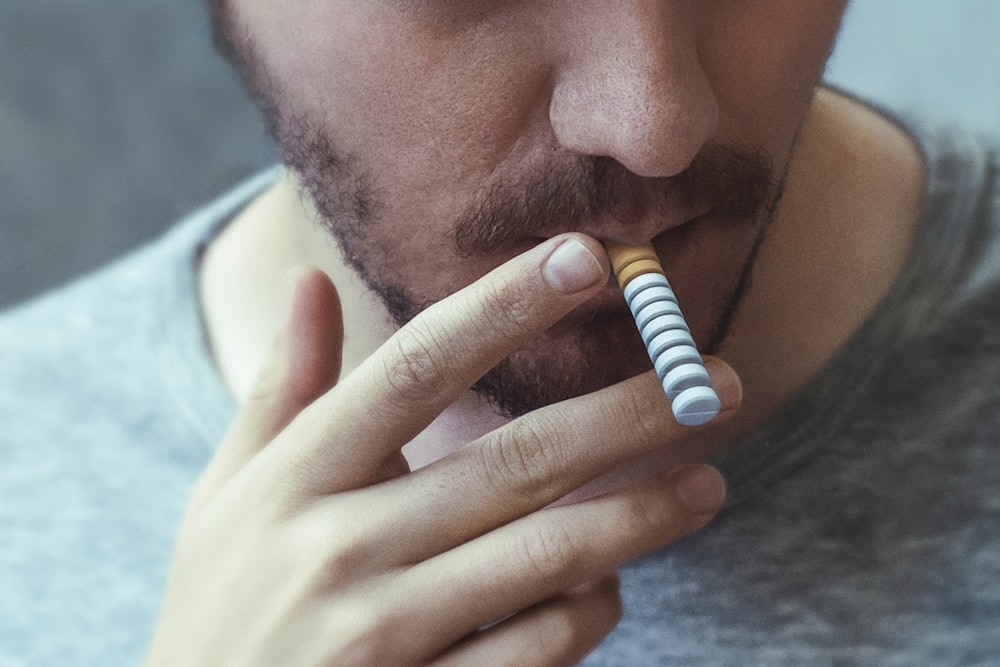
pixel 726 384
pixel 701 489
pixel 572 267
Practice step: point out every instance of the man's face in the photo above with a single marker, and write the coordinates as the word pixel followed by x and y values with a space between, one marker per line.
pixel 438 138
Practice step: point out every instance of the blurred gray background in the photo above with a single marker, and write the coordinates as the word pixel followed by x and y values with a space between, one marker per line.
pixel 116 117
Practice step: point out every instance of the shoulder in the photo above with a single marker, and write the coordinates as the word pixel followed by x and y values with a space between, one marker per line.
pixel 110 408
pixel 107 335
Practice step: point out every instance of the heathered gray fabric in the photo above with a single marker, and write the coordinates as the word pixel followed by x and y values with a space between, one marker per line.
pixel 109 407
pixel 863 524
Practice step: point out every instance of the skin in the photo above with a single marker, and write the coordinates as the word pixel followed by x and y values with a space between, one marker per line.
pixel 494 95
pixel 259 577
pixel 524 519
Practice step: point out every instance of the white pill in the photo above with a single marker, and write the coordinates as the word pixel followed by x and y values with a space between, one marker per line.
pixel 663 341
pixel 696 406
pixel 652 295
pixel 684 377
pixel 641 282
pixel 672 357
pixel 662 323
pixel 655 309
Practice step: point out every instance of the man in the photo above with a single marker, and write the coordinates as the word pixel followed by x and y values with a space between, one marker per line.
pixel 452 169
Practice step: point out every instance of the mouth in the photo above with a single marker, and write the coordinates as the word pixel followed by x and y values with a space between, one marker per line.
pixel 673 246
pixel 667 239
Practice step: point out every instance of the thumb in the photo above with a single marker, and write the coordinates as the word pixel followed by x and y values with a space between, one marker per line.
pixel 303 364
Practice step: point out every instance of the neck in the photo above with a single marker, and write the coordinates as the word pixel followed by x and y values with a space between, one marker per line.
pixel 843 231
pixel 841 235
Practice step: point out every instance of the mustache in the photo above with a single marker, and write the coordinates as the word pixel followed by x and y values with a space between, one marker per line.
pixel 734 182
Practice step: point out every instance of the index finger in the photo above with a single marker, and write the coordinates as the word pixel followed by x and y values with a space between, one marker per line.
pixel 350 432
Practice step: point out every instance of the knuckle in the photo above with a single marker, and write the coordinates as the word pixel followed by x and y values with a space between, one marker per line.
pixel 339 552
pixel 343 564
pixel 642 414
pixel 508 308
pixel 520 459
pixel 551 551
pixel 417 365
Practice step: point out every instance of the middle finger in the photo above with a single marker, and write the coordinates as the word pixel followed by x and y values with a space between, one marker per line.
pixel 529 464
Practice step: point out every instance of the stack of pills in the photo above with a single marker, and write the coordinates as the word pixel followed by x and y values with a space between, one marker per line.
pixel 665 333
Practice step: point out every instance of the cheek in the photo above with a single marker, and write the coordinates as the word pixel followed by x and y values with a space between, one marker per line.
pixel 426 117
pixel 764 85
pixel 424 110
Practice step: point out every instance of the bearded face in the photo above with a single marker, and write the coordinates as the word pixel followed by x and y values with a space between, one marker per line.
pixel 439 139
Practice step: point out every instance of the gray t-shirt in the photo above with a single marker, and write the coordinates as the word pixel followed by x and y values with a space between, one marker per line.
pixel 862 526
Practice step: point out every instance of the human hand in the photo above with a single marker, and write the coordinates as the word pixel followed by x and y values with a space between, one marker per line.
pixel 309 542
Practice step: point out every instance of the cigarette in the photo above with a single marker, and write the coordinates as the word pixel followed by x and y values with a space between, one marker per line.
pixel 665 333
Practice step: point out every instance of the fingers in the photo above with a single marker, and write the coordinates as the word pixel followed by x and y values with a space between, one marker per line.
pixel 535 461
pixel 543 554
pixel 304 363
pixel 560 631
pixel 313 342
pixel 422 369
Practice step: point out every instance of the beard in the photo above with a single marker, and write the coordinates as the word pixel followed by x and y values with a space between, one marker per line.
pixel 592 348
pixel 595 347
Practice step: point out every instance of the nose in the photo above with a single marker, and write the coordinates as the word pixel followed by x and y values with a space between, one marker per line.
pixel 631 85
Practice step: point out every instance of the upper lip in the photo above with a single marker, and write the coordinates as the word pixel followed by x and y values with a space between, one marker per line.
pixel 632 231
pixel 640 234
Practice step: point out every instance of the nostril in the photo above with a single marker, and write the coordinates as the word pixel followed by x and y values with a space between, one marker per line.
pixel 654 128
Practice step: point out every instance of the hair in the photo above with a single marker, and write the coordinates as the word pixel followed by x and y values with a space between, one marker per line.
pixel 737 180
